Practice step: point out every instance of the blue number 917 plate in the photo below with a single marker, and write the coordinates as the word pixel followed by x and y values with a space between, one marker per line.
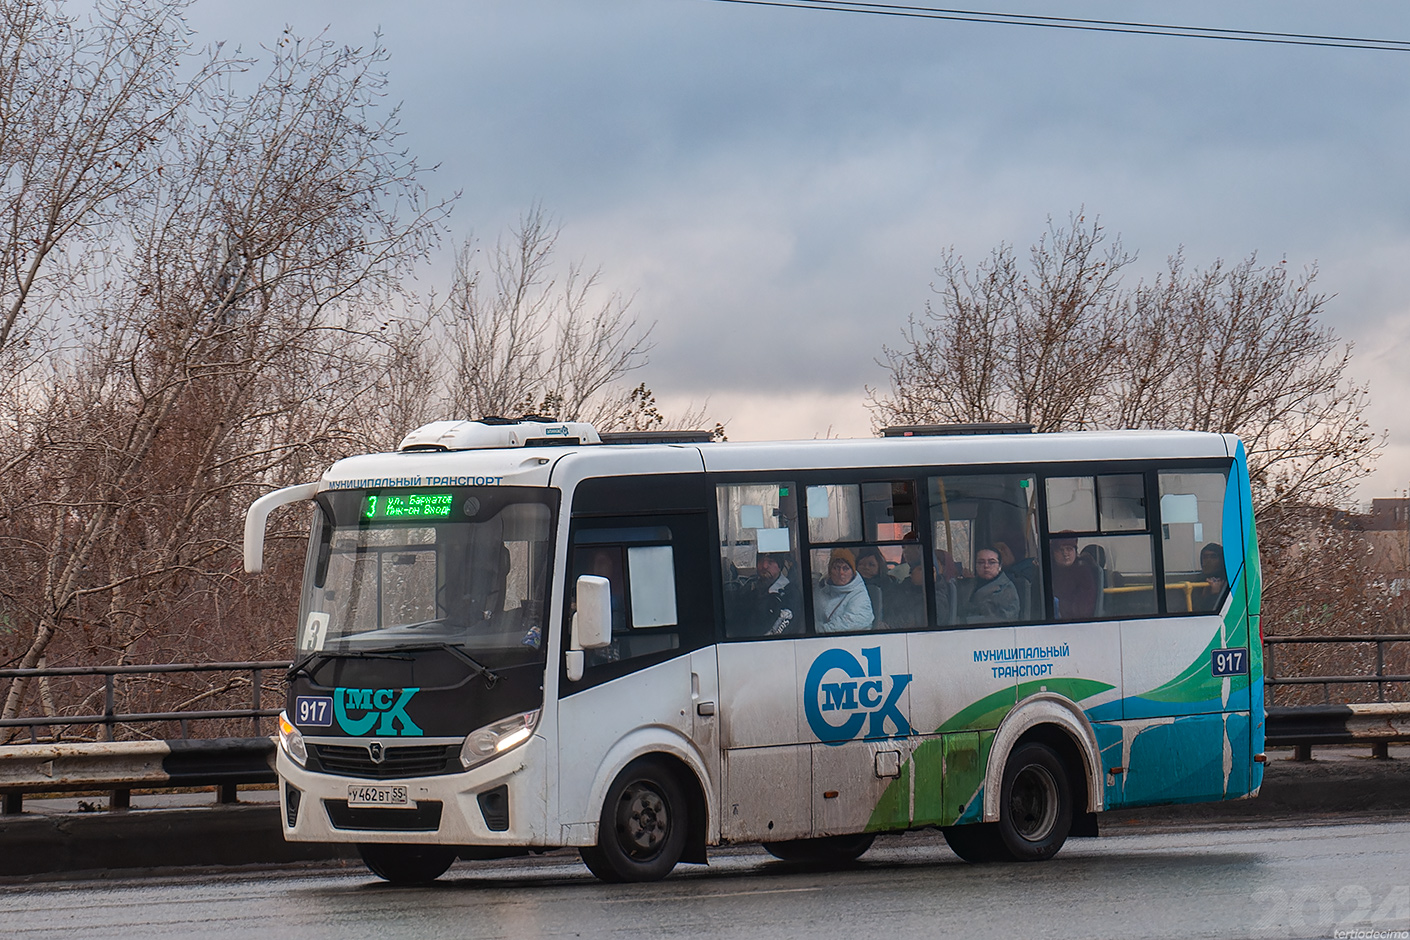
pixel 313 711
pixel 1232 662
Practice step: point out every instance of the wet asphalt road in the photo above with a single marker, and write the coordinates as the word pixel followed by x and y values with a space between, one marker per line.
pixel 1274 881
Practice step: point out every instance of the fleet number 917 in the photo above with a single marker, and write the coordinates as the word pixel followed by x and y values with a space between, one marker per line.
pixel 1232 662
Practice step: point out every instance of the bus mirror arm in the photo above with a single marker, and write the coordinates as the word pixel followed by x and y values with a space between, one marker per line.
pixel 573 665
pixel 258 515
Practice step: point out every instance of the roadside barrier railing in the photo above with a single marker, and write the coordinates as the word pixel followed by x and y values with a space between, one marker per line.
pixel 248 674
pixel 1301 727
pixel 118 767
pixel 1380 677
pixel 226 763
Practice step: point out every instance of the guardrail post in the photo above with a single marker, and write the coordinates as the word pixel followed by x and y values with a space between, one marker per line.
pixel 1302 752
pixel 254 703
pixel 14 803
pixel 1381 750
pixel 227 793
pixel 1380 674
pixel 108 711
pixel 120 799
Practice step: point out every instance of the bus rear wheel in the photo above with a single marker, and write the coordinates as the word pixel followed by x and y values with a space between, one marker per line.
pixel 1035 804
pixel 835 850
pixel 642 832
pixel 1035 812
pixel 406 864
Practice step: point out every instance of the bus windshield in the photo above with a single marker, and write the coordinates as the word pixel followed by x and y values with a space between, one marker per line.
pixel 466 567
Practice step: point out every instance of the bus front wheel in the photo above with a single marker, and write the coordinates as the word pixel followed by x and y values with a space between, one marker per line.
pixel 406 864
pixel 642 832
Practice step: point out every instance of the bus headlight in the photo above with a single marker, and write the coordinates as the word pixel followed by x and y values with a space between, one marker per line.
pixel 292 740
pixel 497 738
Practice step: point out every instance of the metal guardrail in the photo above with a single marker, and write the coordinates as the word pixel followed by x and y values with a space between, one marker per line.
pixel 111 717
pixel 1302 727
pixel 121 766
pixel 1380 677
pixel 1338 724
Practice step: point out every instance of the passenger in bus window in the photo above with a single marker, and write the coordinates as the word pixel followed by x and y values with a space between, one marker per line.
pixel 871 567
pixel 947 588
pixel 1211 565
pixel 945 566
pixel 841 603
pixel 1074 583
pixel 1014 566
pixel 774 603
pixel 989 596
pixel 905 604
pixel 910 557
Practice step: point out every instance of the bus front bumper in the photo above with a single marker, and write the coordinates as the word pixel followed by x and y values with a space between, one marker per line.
pixel 499 803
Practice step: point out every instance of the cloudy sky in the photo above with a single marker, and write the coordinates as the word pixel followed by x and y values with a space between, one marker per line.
pixel 775 186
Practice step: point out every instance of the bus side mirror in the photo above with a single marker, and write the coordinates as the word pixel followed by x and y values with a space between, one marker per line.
pixel 592 623
pixel 594 617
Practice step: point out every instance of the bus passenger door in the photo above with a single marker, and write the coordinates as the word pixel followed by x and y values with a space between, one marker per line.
pixel 768 767
pixel 655 684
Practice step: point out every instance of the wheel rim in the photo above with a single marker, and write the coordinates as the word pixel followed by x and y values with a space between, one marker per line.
pixel 1033 803
pixel 643 820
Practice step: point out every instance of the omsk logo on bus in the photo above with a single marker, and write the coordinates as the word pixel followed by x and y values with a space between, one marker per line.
pixel 839 706
pixel 387 706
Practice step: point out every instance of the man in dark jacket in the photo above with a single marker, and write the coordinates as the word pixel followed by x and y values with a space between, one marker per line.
pixel 775 602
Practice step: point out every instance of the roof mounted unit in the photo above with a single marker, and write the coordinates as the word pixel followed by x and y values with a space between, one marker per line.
pixel 656 437
pixel 498 432
pixel 944 430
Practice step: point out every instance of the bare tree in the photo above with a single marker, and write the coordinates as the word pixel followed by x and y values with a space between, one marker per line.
pixel 1242 348
pixel 525 341
pixel 1005 345
pixel 227 346
pixel 1231 348
pixel 81 105
pixel 1066 347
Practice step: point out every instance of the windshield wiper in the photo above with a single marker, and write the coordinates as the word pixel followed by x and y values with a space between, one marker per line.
pixel 419 624
pixel 490 676
pixel 319 657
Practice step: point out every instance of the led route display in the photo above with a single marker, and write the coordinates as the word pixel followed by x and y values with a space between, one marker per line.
pixel 407 506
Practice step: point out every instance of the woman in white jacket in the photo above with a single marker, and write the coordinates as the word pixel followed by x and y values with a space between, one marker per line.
pixel 841 603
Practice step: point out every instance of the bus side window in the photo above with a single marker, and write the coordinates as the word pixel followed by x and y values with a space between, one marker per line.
pixel 760 573
pixel 636 605
pixel 660 589
pixel 1193 540
pixel 1100 547
pixel 984 529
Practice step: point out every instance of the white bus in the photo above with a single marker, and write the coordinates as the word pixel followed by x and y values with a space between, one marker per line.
pixel 520 635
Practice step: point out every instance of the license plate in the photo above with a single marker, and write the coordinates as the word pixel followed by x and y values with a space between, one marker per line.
pixel 378 796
